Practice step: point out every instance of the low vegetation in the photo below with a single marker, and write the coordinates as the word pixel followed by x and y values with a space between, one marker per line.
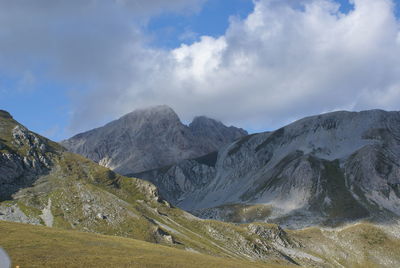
pixel 37 246
pixel 355 246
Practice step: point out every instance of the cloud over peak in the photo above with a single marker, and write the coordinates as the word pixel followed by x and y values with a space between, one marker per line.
pixel 282 62
pixel 287 59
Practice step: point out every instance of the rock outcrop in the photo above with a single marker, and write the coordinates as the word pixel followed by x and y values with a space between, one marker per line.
pixel 24 156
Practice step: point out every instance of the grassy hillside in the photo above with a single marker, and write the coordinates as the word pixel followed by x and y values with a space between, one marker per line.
pixel 68 191
pixel 355 246
pixel 36 246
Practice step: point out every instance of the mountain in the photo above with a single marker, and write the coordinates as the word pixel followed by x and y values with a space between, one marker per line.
pixel 43 184
pixel 321 170
pixel 151 138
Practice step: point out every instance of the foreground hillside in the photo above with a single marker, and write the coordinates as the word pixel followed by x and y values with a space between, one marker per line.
pixel 361 245
pixel 34 246
pixel 325 170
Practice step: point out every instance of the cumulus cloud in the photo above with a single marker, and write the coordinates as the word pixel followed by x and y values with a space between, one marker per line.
pixel 76 38
pixel 287 59
pixel 82 45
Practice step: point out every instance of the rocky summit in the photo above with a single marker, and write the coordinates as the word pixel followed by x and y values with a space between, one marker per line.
pixel 151 138
pixel 325 170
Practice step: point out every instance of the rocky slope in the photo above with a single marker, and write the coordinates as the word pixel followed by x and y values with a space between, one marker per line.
pixel 326 169
pixel 151 138
pixel 42 184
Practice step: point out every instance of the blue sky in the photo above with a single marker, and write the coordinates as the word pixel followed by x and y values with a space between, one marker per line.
pixel 45 105
pixel 72 75
pixel 171 29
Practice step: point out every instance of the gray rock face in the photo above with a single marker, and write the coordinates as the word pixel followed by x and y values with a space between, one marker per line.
pixel 151 138
pixel 24 156
pixel 214 132
pixel 177 181
pixel 326 169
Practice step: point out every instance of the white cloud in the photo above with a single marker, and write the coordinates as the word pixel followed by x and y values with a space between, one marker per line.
pixel 199 59
pixel 188 35
pixel 26 83
pixel 79 44
pixel 156 6
pixel 287 59
pixel 283 62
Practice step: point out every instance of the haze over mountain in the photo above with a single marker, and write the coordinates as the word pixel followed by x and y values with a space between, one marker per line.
pixel 325 169
pixel 151 138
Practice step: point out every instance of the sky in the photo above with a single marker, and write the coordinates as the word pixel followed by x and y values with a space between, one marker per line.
pixel 70 66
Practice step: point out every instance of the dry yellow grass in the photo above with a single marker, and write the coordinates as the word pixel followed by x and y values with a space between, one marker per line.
pixel 361 245
pixel 37 246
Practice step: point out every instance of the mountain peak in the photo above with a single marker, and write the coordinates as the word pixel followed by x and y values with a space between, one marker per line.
pixel 204 120
pixel 154 109
pixel 200 123
pixel 151 138
pixel 156 113
pixel 5 114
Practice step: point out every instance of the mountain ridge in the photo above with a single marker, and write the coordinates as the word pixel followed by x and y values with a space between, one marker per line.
pixel 317 170
pixel 56 188
pixel 150 138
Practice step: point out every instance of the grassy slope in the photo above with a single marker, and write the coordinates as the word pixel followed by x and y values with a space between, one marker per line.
pixel 130 206
pixel 358 245
pixel 36 246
